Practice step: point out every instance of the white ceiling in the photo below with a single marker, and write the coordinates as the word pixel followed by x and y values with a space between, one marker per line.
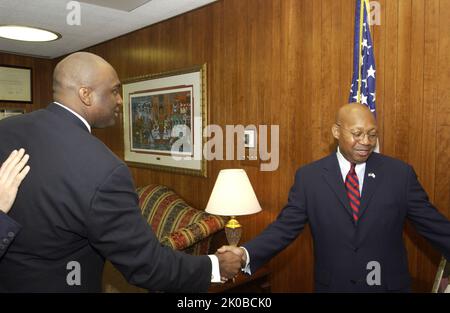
pixel 98 23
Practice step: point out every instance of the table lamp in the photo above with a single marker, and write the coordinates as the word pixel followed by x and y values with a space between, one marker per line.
pixel 232 196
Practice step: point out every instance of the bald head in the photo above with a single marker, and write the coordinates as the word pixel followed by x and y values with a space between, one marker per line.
pixel 76 70
pixel 89 85
pixel 351 111
pixel 356 132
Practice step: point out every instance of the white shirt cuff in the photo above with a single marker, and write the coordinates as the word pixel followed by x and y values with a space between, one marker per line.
pixel 215 273
pixel 246 268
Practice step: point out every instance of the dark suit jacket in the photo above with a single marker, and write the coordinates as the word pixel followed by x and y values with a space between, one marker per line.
pixel 8 231
pixel 78 203
pixel 343 249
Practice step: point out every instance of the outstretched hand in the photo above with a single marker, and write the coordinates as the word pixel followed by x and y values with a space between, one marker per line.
pixel 229 264
pixel 236 250
pixel 12 172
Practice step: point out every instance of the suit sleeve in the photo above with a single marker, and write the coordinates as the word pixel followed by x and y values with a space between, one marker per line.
pixel 8 231
pixel 428 221
pixel 118 231
pixel 278 235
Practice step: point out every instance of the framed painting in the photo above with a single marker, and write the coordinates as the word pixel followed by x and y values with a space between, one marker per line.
pixel 163 117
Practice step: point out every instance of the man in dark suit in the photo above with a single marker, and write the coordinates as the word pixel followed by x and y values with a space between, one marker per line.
pixel 78 206
pixel 12 172
pixel 356 202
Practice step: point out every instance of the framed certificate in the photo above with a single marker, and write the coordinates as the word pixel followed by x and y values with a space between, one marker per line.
pixel 15 84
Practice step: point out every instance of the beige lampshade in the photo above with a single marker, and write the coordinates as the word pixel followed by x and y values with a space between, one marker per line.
pixel 233 195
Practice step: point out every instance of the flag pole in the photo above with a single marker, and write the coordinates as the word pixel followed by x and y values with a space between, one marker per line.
pixel 361 20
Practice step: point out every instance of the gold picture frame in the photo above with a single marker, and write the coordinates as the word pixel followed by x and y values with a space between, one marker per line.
pixel 15 84
pixel 163 117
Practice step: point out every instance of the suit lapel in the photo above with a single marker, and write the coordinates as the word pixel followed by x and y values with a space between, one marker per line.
pixel 372 179
pixel 333 177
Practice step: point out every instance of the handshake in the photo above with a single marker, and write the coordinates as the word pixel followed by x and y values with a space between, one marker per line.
pixel 231 260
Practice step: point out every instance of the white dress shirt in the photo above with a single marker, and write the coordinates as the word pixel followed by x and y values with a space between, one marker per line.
pixel 345 165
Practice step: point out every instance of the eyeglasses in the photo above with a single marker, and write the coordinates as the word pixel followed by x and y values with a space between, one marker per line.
pixel 359 135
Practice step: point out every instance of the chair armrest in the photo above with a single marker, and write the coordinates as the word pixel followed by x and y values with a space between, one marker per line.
pixel 185 237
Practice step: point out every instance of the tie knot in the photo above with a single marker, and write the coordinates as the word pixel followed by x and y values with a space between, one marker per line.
pixel 352 169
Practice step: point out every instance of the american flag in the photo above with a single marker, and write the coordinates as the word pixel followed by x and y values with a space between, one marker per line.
pixel 363 81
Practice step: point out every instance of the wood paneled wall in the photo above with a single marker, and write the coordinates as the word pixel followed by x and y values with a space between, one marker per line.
pixel 289 63
pixel 253 79
pixel 41 80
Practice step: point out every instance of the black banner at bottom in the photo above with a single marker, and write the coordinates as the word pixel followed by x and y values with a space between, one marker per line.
pixel 268 302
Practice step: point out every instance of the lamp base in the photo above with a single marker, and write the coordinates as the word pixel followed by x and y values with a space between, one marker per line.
pixel 233 231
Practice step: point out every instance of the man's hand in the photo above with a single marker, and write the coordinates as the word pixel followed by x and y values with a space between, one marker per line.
pixel 229 264
pixel 236 250
pixel 12 172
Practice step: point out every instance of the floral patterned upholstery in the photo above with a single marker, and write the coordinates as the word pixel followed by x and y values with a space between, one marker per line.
pixel 175 223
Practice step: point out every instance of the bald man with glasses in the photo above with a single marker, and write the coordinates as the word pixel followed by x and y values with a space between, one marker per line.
pixel 356 203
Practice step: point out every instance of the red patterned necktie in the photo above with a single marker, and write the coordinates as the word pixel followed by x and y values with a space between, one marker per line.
pixel 352 186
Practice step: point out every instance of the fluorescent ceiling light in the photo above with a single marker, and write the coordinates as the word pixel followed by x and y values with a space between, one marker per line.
pixel 24 33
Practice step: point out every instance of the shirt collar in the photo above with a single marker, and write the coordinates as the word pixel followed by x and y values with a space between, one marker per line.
pixel 344 164
pixel 76 114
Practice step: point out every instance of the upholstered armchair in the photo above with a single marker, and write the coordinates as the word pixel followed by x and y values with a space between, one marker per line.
pixel 176 224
